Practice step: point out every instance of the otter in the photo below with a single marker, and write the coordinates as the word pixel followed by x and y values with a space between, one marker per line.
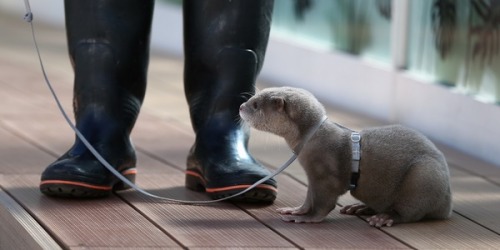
pixel 402 176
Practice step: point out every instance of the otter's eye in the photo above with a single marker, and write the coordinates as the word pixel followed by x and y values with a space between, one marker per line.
pixel 255 105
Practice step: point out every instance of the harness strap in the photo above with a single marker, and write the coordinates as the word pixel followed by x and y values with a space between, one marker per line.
pixel 356 157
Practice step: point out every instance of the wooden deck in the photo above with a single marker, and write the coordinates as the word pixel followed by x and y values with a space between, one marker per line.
pixel 33 133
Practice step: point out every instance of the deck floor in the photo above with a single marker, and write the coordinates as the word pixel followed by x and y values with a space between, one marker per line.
pixel 33 134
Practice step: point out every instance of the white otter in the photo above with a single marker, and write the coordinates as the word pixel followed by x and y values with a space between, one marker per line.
pixel 403 177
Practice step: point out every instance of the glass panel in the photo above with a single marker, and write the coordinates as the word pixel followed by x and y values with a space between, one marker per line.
pixel 177 2
pixel 456 42
pixel 359 27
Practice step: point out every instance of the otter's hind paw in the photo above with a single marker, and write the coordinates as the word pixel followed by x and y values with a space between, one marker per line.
pixel 380 220
pixel 357 209
pixel 302 218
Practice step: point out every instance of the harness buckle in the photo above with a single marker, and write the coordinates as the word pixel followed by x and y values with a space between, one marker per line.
pixel 356 148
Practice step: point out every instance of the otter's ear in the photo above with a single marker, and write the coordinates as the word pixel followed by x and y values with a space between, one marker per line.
pixel 278 103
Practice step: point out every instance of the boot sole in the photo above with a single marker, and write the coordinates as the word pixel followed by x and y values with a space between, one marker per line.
pixel 76 189
pixel 263 193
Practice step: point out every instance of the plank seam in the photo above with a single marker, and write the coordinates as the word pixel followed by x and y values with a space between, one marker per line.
pixel 475 174
pixel 268 226
pixel 37 231
pixel 477 223
pixel 158 158
pixel 151 221
pixel 28 140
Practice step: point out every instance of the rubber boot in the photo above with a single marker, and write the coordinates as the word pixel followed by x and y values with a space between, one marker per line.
pixel 225 43
pixel 108 43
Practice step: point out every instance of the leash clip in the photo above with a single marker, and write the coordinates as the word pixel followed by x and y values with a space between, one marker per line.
pixel 356 157
pixel 28 17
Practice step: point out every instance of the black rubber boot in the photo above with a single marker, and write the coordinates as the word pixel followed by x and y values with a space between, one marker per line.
pixel 108 42
pixel 225 43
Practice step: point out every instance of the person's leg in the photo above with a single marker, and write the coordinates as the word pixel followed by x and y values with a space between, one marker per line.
pixel 108 43
pixel 225 42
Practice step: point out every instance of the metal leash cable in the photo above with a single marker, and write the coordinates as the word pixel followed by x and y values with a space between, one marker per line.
pixel 29 18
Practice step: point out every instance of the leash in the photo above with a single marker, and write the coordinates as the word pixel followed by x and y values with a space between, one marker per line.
pixel 28 17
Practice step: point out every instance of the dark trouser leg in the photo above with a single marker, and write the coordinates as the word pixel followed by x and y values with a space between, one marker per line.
pixel 225 43
pixel 108 43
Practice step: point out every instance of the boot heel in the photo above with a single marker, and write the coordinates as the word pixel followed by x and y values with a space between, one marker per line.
pixel 194 181
pixel 130 175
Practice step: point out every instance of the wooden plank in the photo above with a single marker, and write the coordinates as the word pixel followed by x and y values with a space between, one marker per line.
pixel 336 232
pixel 47 133
pixel 154 145
pixel 276 157
pixel 476 199
pixel 18 230
pixel 172 140
pixel 220 225
pixel 147 140
pixel 471 165
pixel 242 248
pixel 420 237
pixel 89 223
pixel 165 93
pixel 19 156
pixel 18 94
pixel 164 139
pixel 459 231
pixel 448 234
pixel 55 136
pixel 455 233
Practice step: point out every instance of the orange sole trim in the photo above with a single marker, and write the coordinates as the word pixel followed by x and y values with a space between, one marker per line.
pixel 222 189
pixel 131 171
pixel 195 174
pixel 75 183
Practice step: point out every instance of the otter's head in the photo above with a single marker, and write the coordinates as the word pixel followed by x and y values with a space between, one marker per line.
pixel 283 111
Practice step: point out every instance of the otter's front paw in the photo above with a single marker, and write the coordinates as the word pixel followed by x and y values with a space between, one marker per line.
pixel 292 210
pixel 380 220
pixel 302 218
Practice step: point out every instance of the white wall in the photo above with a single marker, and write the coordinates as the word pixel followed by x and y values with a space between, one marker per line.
pixel 336 78
pixel 388 94
pixel 47 11
pixel 166 30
